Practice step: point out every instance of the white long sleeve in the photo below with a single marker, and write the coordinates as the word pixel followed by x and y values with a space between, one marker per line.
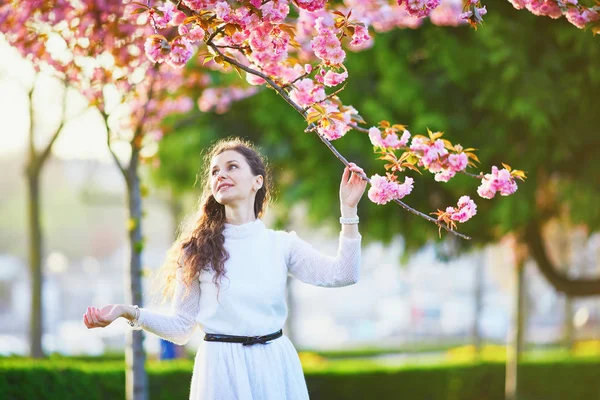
pixel 179 325
pixel 310 266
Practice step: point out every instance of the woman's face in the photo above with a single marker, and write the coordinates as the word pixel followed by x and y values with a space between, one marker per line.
pixel 231 179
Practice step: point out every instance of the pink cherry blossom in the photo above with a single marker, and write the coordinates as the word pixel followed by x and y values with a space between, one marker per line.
pixel 333 79
pixel 498 181
pixel 163 20
pixel 391 139
pixel 275 11
pixel 580 18
pixel 326 45
pixel 157 49
pixel 419 8
pixel 465 209
pixel 181 52
pixel 195 5
pixel 311 5
pixel 307 93
pixel 547 8
pixel 360 36
pixel 383 191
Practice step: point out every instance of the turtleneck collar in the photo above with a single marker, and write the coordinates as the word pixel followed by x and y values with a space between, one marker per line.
pixel 232 231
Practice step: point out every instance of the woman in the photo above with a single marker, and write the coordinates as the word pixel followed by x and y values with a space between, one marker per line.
pixel 229 276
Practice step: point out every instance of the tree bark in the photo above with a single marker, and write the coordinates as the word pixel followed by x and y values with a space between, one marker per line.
pixel 35 265
pixel 559 280
pixel 135 356
pixel 515 343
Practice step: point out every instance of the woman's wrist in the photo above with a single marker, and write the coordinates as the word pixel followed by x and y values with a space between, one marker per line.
pixel 348 212
pixel 127 312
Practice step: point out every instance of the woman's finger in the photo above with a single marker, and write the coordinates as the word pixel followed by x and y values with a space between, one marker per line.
pixel 345 176
pixel 98 317
pixel 93 317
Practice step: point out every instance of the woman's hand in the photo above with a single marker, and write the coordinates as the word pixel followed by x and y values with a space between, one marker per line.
pixel 351 190
pixel 101 317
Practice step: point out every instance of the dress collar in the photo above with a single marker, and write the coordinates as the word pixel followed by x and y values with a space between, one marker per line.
pixel 241 231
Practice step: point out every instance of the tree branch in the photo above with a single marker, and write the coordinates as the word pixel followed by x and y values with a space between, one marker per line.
pixel 44 156
pixel 299 109
pixel 571 287
pixel 108 143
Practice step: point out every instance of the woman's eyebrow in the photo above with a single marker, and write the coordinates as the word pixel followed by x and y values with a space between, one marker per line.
pixel 228 162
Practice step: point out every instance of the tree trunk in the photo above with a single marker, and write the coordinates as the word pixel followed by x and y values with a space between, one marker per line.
pixel 478 297
pixel 559 280
pixel 515 346
pixel 568 328
pixel 33 169
pixel 35 263
pixel 135 357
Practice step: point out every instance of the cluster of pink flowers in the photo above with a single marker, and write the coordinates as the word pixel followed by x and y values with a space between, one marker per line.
pixel 390 140
pixel 436 158
pixel 498 181
pixel 275 11
pixel 465 209
pixel 361 36
pixel 333 128
pixel 383 190
pixel 311 5
pixel 326 44
pixel 330 78
pixel 575 13
pixel 306 93
pixel 581 17
pixel 170 15
pixel 198 5
pixel 419 8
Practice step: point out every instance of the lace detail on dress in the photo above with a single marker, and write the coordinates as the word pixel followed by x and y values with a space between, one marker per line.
pixel 310 266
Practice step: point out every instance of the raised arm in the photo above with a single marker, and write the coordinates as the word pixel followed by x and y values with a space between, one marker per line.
pixel 179 325
pixel 310 266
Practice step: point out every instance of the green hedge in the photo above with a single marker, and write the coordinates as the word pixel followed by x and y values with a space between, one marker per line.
pixel 24 379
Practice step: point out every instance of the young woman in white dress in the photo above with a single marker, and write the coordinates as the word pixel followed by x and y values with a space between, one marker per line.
pixel 227 274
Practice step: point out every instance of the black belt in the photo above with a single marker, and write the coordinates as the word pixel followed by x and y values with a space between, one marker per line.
pixel 245 340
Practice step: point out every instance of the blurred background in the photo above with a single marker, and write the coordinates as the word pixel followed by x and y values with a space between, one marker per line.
pixel 522 89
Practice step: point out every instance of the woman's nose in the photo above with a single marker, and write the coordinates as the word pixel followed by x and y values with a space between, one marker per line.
pixel 221 175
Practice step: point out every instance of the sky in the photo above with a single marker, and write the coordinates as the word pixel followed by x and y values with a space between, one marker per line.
pixel 83 137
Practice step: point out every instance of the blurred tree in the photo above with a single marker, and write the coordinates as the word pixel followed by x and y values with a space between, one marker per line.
pixel 36 159
pixel 31 46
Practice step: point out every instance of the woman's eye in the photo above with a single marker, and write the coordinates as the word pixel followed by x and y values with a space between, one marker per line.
pixel 233 166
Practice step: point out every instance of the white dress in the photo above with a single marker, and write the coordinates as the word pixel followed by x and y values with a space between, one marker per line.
pixel 251 303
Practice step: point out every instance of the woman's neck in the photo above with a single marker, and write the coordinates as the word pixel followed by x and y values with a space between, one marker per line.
pixel 239 215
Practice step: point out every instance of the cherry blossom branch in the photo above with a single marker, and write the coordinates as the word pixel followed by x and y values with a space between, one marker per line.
pixel 328 97
pixel 399 202
pixel 304 75
pixel 108 143
pixel 339 156
pixel 270 81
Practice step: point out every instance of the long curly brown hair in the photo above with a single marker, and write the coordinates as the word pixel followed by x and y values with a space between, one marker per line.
pixel 200 243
